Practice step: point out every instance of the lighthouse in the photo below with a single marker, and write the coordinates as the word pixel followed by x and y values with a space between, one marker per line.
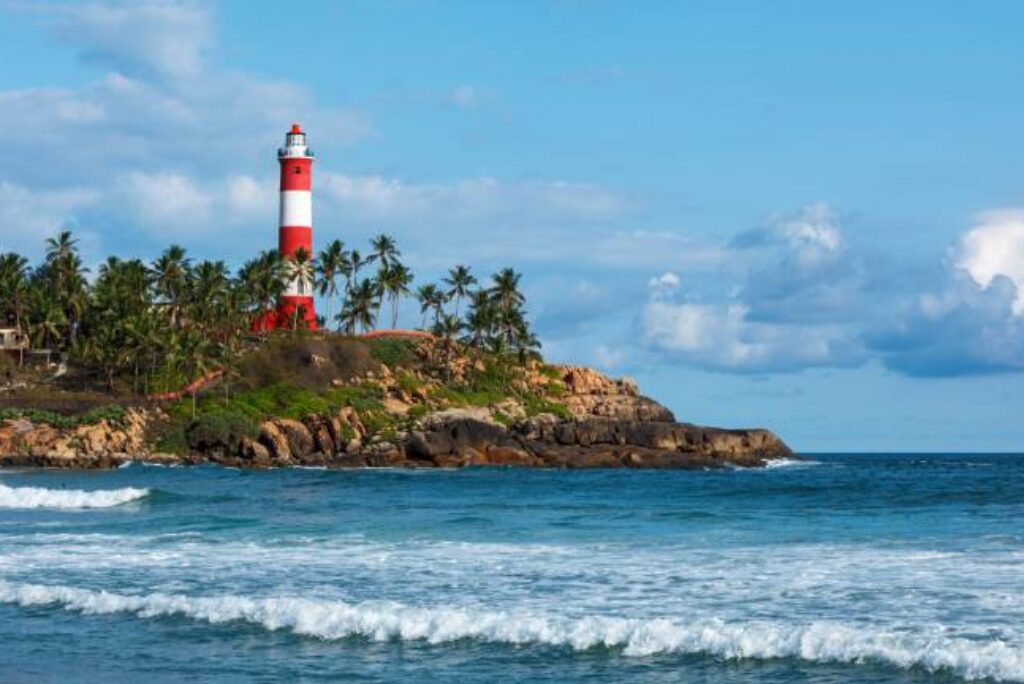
pixel 296 228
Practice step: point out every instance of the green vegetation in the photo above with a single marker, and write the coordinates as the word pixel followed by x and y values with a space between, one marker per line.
pixel 393 352
pixel 134 328
pixel 112 414
pixel 156 327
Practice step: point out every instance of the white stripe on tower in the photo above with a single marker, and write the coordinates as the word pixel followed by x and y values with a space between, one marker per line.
pixel 296 208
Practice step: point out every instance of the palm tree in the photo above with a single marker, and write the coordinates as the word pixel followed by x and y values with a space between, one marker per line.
pixel 264 279
pixel 480 320
pixel 505 289
pixel 60 247
pixel 459 280
pixel 170 276
pixel 332 262
pixel 360 308
pixel 47 320
pixel 194 355
pixel 427 296
pixel 301 270
pixel 384 250
pixel 356 262
pixel 14 286
pixel 395 282
pixel 447 330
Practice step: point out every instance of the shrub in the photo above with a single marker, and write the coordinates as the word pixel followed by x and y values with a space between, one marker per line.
pixel 392 352
pixel 173 441
pixel 408 382
pixel 112 414
pixel 220 432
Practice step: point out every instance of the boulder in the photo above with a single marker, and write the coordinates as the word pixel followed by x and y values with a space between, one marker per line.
pixel 300 441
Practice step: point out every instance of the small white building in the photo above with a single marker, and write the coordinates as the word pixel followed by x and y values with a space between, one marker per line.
pixel 12 339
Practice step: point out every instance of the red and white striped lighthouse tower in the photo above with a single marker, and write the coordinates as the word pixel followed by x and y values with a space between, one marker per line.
pixel 296 232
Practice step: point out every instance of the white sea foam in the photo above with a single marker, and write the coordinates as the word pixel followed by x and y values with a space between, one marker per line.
pixel 40 497
pixel 384 621
pixel 790 463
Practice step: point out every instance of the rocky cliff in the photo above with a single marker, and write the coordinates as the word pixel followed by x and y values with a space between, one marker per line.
pixel 597 422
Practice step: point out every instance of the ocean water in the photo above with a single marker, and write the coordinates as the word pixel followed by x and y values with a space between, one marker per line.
pixel 854 568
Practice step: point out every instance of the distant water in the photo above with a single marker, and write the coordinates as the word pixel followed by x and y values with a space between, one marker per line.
pixel 848 569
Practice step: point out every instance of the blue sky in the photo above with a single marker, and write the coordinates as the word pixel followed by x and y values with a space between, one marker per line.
pixel 802 215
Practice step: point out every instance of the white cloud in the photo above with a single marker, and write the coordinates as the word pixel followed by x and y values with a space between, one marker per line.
pixel 160 37
pixel 995 247
pixel 665 285
pixel 784 314
pixel 167 203
pixel 28 216
pixel 721 337
pixel 379 198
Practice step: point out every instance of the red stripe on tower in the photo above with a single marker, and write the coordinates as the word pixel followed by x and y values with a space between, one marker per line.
pixel 296 228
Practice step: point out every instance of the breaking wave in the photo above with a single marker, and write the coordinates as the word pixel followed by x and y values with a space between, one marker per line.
pixel 384 621
pixel 39 497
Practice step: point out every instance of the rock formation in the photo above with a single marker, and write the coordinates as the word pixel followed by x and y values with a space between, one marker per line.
pixel 608 425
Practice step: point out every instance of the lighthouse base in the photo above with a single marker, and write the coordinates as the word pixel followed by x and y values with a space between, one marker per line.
pixel 292 313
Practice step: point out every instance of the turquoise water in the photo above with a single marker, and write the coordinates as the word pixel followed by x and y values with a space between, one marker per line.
pixel 847 569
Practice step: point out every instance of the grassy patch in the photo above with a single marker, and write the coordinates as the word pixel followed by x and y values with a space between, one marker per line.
pixel 408 382
pixel 551 372
pixel 537 405
pixel 392 351
pixel 112 414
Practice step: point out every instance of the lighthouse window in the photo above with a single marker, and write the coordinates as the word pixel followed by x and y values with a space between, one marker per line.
pixel 298 170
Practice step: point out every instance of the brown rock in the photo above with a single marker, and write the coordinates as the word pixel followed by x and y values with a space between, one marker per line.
pixel 300 441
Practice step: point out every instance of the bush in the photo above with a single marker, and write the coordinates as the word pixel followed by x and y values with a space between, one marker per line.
pixel 222 432
pixel 392 352
pixel 112 414
pixel 173 441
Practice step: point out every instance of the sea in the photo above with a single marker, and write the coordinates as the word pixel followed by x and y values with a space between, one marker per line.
pixel 839 568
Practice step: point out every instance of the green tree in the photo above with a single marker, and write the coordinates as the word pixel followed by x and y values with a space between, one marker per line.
pixel 332 262
pixel 459 281
pixel 361 306
pixel 395 282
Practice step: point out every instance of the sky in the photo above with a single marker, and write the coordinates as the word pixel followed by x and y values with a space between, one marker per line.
pixel 797 215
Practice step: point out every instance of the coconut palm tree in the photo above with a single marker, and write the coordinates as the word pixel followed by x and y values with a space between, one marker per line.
pixel 300 269
pixel 480 320
pixel 447 331
pixel 170 275
pixel 14 286
pixel 61 246
pixel 264 278
pixel 395 282
pixel 332 262
pixel 505 289
pixel 459 281
pixel 427 296
pixel 385 250
pixel 361 306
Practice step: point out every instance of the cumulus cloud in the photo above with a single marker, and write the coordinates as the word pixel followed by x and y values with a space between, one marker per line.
pixel 156 37
pixel 993 248
pixel 161 105
pixel 723 336
pixel 973 322
pixel 789 307
pixel 807 299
